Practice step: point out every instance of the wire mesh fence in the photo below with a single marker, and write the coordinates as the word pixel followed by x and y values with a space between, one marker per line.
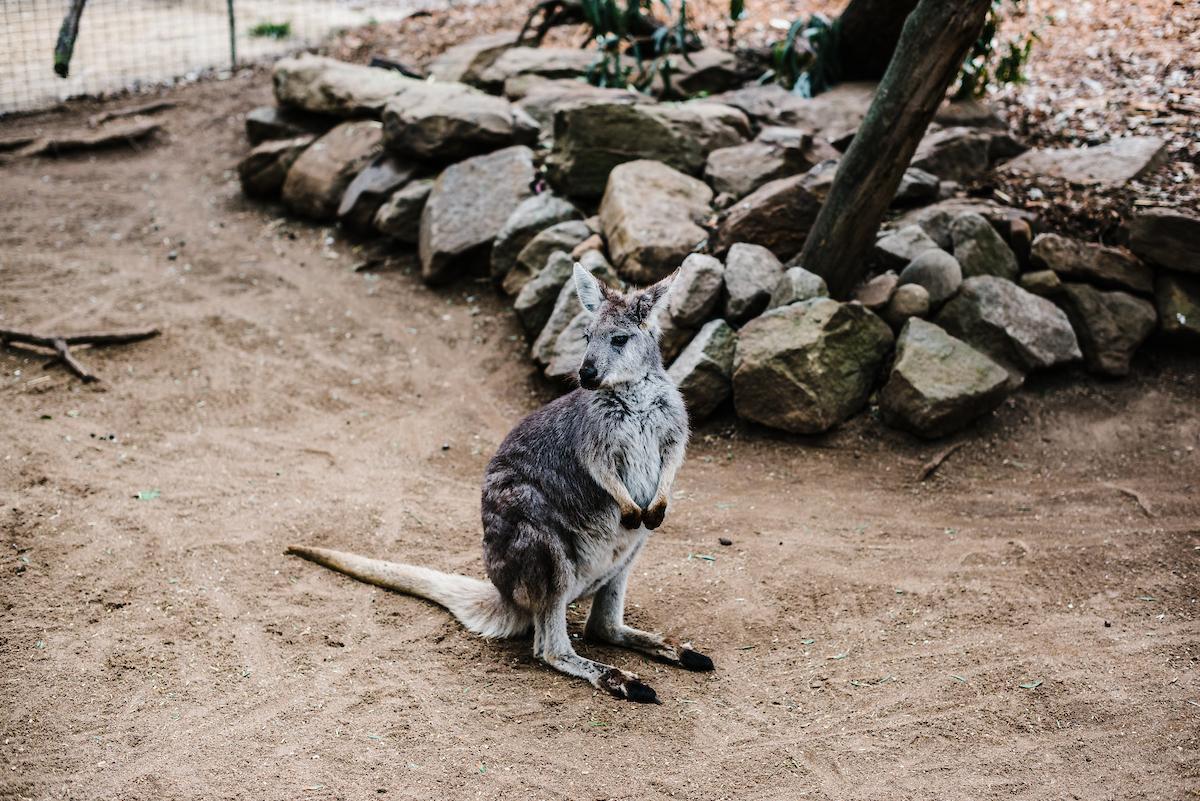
pixel 128 44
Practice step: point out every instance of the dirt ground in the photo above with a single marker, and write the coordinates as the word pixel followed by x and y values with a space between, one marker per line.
pixel 876 637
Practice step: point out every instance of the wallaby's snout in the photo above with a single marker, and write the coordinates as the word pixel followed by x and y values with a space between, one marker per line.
pixel 589 377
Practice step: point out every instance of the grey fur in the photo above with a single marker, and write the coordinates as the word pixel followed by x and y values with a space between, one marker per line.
pixel 568 501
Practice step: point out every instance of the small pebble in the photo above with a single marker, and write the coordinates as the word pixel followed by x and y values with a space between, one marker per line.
pixel 725 541
pixel 445 446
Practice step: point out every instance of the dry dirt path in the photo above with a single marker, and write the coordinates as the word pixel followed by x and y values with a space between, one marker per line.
pixel 871 633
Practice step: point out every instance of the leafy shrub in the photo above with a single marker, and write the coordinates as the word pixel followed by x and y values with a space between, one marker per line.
pixel 272 30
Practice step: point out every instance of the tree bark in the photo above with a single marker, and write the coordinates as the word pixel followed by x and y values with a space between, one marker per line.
pixel 928 56
pixel 66 38
pixel 869 31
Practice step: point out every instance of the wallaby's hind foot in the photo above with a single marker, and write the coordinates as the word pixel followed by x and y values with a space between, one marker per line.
pixel 661 648
pixel 553 646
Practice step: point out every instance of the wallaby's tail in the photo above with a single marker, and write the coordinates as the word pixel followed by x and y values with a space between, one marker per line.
pixel 477 604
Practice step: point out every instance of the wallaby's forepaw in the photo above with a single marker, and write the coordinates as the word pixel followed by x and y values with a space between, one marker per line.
pixel 694 660
pixel 653 516
pixel 631 518
pixel 627 687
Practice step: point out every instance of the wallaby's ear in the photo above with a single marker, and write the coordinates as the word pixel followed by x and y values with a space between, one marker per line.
pixel 654 297
pixel 588 288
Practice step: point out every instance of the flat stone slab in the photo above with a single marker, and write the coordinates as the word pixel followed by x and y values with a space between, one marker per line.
pixel 1114 163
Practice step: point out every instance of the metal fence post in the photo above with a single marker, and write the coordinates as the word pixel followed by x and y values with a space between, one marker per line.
pixel 232 35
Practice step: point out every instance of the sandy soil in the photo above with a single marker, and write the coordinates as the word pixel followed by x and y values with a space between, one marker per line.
pixel 872 633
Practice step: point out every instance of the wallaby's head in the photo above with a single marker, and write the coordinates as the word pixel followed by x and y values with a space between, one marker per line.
pixel 623 334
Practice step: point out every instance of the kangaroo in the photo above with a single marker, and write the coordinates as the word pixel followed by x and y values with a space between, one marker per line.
pixel 568 501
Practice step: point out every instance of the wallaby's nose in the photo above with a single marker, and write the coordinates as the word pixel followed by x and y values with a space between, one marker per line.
pixel 587 374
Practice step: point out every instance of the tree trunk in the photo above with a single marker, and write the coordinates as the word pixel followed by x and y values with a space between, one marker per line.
pixel 928 56
pixel 66 38
pixel 869 31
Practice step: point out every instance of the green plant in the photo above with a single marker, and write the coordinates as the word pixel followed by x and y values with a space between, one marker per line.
pixel 272 30
pixel 633 31
pixel 984 67
pixel 805 60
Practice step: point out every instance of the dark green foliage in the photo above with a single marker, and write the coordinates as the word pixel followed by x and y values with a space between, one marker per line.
pixel 985 66
pixel 804 61
pixel 632 47
pixel 272 30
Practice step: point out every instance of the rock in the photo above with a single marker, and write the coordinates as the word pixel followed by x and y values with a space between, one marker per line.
pixel 936 220
pixel 895 250
pixel 797 284
pixel 1096 264
pixel 372 187
pixel 546 62
pixel 1017 329
pixel 542 98
pixel 450 121
pixel 709 70
pixel 530 218
pixel 808 366
pixel 917 188
pixel 591 139
pixel 979 250
pixel 937 271
pixel 468 205
pixel 697 289
pixel 938 384
pixel 1167 237
pixel 535 302
pixel 1020 238
pixel 953 153
pixel 910 300
pixel 704 369
pixel 327 86
pixel 566 308
pixel 970 113
pixel 741 169
pixel 673 337
pixel 263 171
pixel 1110 326
pixel 317 180
pixel 533 257
pixel 1113 164
pixel 569 349
pixel 651 214
pixel 751 274
pixel 466 61
pixel 875 293
pixel 1044 283
pixel 834 115
pixel 269 122
pixel 778 215
pixel 400 215
pixel 593 242
pixel 1178 299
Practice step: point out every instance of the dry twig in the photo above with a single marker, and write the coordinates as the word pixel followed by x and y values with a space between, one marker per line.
pixel 61 345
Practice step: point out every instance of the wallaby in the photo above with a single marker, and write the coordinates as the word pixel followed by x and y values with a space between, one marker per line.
pixel 568 501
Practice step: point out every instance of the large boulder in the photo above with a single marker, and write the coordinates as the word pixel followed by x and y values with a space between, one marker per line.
pixel 565 236
pixel 590 139
pixel 795 285
pixel 327 86
pixel 1086 261
pixel 937 271
pixel 696 290
pixel 834 115
pixel 271 122
pixel 751 274
pixel 1178 299
pixel 938 384
pixel 778 215
pixel 317 180
pixel 953 154
pixel 1167 237
pixel 896 249
pixel 1017 329
pixel 263 171
pixel 466 61
pixel 536 300
pixel 542 98
pixel 651 217
pixel 450 121
pixel 1110 326
pixel 533 216
pixel 468 205
pixel 569 347
pixel 706 71
pixel 372 187
pixel 776 153
pixel 704 369
pixel 1114 163
pixel 937 218
pixel 980 250
pixel 400 215
pixel 808 366
pixel 545 62
pixel 917 188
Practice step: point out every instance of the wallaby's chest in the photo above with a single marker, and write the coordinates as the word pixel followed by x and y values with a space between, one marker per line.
pixel 636 445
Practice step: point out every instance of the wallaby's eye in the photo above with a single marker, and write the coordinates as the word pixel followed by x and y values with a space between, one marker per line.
pixel 619 340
